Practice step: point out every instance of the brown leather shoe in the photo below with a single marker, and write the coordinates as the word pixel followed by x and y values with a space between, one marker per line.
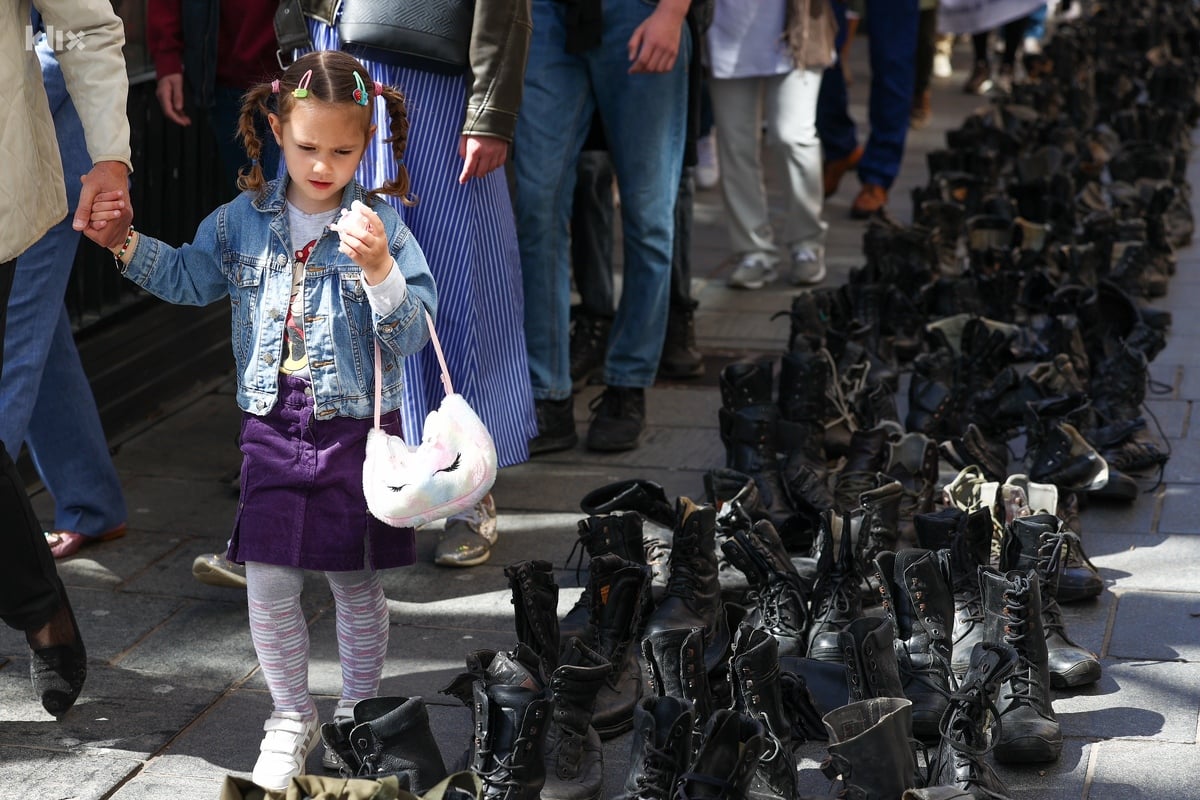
pixel 870 199
pixel 834 170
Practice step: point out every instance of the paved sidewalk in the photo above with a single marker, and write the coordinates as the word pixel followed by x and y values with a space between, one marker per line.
pixel 174 701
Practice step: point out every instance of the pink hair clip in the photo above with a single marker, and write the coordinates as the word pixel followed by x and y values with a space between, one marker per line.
pixel 275 86
pixel 378 88
pixel 301 89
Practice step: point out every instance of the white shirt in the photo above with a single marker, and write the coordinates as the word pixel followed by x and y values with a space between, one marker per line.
pixel 747 40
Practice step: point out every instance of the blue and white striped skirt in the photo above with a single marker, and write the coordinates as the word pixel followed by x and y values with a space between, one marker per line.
pixel 469 237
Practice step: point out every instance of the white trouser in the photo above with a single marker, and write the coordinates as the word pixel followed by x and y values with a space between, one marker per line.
pixel 788 104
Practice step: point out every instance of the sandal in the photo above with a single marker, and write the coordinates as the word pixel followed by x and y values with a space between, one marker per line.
pixel 64 544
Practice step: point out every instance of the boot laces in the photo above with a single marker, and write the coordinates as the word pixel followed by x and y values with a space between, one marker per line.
pixel 836 391
pixel 658 774
pixel 1025 682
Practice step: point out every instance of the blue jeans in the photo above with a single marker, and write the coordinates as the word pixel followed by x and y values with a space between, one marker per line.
pixel 45 394
pixel 644 119
pixel 892 47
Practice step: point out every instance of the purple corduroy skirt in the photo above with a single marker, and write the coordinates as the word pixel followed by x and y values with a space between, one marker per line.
pixel 302 501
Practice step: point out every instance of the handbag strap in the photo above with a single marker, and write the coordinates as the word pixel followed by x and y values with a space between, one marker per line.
pixel 441 357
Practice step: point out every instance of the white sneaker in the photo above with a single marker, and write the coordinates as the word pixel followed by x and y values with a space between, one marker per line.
pixel 941 66
pixel 289 738
pixel 1032 45
pixel 708 173
pixel 808 265
pixel 753 271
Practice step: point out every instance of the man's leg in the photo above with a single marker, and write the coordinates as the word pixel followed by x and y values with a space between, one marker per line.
pixel 893 52
pixel 835 126
pixel 555 114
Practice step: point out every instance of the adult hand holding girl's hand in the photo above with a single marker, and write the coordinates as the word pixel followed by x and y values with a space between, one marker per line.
pixel 365 241
pixel 106 207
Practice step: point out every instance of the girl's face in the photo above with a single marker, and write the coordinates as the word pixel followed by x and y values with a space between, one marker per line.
pixel 322 144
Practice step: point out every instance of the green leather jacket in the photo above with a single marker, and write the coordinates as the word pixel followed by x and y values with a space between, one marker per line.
pixel 499 49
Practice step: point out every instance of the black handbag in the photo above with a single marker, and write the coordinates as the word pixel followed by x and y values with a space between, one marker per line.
pixel 429 34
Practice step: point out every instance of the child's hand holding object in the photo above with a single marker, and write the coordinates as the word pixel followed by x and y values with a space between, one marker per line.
pixel 365 241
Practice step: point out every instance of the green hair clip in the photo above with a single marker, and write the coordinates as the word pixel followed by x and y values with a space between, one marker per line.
pixel 360 91
pixel 301 89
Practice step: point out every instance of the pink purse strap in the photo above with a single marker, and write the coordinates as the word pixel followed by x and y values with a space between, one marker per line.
pixel 441 357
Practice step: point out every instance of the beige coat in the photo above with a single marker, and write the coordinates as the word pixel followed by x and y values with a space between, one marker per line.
pixel 810 31
pixel 34 198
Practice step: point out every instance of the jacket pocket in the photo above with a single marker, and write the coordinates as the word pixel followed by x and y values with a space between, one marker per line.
pixel 247 277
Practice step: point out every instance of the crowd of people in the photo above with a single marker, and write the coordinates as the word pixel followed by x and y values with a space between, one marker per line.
pixel 366 192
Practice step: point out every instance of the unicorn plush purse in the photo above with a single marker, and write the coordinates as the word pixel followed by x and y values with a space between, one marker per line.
pixel 449 471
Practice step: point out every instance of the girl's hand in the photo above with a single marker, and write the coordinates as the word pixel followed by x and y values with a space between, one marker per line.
pixel 365 241
pixel 107 205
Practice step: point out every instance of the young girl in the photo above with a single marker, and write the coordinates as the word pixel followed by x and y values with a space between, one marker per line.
pixel 308 308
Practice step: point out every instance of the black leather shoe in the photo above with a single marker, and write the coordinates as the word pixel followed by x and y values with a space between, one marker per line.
pixel 618 419
pixel 58 671
pixel 556 426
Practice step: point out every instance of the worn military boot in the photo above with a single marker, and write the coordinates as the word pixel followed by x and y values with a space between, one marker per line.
pixel 387 736
pixel 680 358
pixel 870 748
pixel 618 589
pixel 777 590
pixel 574 755
pixel 619 533
pixel 917 599
pixel 958 760
pixel 1036 542
pixel 661 748
pixel 730 751
pixel 755 677
pixel 693 596
pixel 510 724
pixel 535 602
pixel 870 658
pixel 753 437
pixel 673 661
pixel 650 500
pixel 878 526
pixel 803 382
pixel 836 597
pixel 964 543
pixel 1028 731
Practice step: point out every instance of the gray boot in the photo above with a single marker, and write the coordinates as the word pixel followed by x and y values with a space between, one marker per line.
pixel 574 755
pixel 618 588
pixel 1028 731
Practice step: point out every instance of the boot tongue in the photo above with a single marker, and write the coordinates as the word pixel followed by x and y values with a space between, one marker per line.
pixel 507 671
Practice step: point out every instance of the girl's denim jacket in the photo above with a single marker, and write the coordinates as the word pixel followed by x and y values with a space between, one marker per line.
pixel 243 250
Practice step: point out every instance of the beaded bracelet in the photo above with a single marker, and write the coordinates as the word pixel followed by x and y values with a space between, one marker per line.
pixel 120 255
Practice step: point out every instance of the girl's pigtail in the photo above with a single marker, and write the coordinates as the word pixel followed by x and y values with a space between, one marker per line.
pixel 398 126
pixel 253 103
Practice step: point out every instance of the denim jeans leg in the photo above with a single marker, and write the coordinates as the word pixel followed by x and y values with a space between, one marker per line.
pixel 68 445
pixel 681 250
pixel 45 394
pixel 592 233
pixel 835 126
pixel 893 75
pixel 556 112
pixel 645 116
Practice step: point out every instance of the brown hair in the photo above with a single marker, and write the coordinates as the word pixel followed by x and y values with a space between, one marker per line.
pixel 332 81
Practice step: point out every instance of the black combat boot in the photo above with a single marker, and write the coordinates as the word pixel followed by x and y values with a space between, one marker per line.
pixel 958 759
pixel 870 747
pixel 510 734
pixel 870 658
pixel 574 755
pixel 650 500
pixel 535 602
pixel 778 592
pixel 674 666
pixel 917 599
pixel 753 438
pixel 732 746
pixel 620 534
pixel 680 358
pixel 388 736
pixel 966 539
pixel 589 344
pixel 618 589
pixel 878 526
pixel 1028 731
pixel 836 597
pixel 693 596
pixel 1036 542
pixel 755 678
pixel 661 748
pixel 803 382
